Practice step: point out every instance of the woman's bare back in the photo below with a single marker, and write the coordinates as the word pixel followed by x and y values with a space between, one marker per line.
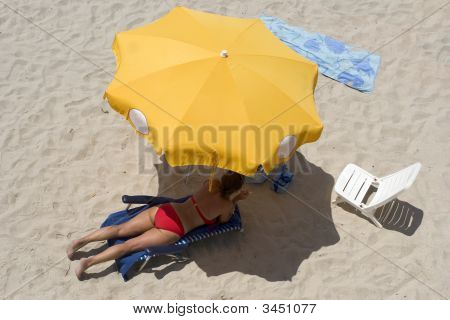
pixel 211 204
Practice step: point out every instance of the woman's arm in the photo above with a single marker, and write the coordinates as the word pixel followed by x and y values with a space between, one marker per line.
pixel 225 217
pixel 241 196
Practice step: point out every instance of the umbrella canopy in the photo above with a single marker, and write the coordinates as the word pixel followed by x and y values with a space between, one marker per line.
pixel 213 90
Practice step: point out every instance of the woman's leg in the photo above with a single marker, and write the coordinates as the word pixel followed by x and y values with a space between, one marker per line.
pixel 152 237
pixel 138 225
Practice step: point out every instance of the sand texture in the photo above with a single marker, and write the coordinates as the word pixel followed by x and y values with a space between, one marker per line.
pixel 66 158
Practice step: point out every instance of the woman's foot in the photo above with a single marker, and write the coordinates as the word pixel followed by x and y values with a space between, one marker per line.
pixel 82 266
pixel 73 247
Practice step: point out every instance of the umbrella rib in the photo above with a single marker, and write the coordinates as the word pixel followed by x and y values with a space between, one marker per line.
pixel 306 62
pixel 211 36
pixel 199 90
pixel 273 84
pixel 129 84
pixel 146 35
pixel 242 99
pixel 242 32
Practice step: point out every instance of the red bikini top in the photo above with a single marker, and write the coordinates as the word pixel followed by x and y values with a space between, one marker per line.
pixel 206 221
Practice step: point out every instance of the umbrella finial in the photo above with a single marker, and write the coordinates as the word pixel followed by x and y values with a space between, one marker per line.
pixel 224 54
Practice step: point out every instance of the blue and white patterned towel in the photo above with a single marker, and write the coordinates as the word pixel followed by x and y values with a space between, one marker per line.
pixel 337 60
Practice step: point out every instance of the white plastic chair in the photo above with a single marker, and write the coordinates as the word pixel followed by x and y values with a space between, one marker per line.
pixel 354 182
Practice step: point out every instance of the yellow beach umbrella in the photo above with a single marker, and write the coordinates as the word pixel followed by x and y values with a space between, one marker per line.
pixel 213 90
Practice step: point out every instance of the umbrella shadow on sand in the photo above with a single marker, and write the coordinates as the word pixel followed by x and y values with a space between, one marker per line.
pixel 280 230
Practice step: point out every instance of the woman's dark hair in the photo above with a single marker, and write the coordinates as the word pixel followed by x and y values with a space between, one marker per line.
pixel 231 182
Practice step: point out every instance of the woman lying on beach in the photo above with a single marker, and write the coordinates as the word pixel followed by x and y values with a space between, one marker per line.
pixel 166 223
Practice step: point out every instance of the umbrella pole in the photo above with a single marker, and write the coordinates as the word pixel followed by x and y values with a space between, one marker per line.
pixel 211 177
pixel 187 176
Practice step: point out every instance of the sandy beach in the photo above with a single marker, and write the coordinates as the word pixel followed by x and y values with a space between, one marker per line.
pixel 66 158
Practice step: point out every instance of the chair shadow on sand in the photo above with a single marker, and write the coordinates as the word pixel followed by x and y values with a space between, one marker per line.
pixel 280 230
pixel 399 216
pixel 395 215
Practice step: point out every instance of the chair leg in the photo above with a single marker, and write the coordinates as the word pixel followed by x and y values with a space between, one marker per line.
pixel 145 263
pixel 371 216
pixel 188 174
pixel 337 200
pixel 178 257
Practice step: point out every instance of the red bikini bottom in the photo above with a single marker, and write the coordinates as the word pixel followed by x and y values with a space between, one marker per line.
pixel 166 218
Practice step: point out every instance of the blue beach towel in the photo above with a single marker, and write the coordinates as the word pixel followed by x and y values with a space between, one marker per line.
pixel 337 60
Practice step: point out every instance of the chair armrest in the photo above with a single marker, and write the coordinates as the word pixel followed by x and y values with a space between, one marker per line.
pixel 137 199
pixel 375 205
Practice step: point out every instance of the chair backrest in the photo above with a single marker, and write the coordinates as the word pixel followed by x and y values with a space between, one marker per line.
pixel 390 186
pixel 353 183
